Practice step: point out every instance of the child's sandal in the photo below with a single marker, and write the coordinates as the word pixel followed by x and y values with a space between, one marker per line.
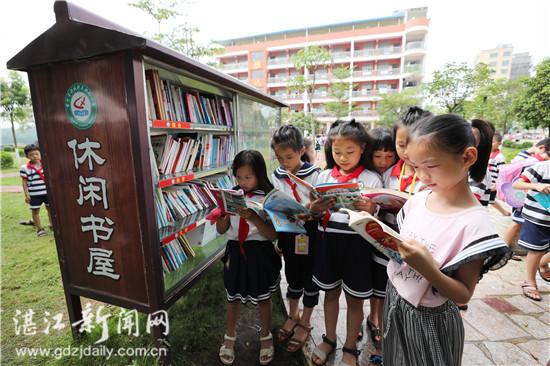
pixel 295 344
pixel 266 354
pixel 283 334
pixel 352 351
pixel 41 232
pixel 227 355
pixel 322 355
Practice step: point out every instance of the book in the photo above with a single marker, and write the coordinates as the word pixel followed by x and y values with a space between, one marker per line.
pixel 345 194
pixel 283 211
pixel 378 234
pixel 388 199
pixel 230 201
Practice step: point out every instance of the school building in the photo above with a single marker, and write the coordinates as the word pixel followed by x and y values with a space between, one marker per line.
pixel 386 55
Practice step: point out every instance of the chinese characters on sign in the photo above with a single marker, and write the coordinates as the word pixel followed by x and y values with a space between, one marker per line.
pixel 92 191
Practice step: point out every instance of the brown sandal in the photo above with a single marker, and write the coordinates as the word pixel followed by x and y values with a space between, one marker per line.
pixel 283 334
pixel 531 291
pixel 296 344
pixel 375 334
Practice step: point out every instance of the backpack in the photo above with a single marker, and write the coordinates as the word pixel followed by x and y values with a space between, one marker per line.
pixel 507 175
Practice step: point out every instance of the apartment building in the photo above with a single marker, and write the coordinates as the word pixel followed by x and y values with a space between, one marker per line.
pixel 521 65
pixel 386 55
pixel 499 59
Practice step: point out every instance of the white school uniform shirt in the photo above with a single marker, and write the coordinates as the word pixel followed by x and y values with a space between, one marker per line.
pixel 253 233
pixel 496 161
pixel 533 211
pixel 390 180
pixel 307 172
pixel 338 222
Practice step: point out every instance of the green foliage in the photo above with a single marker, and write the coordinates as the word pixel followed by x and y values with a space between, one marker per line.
pixel 455 83
pixel 339 90
pixel 494 102
pixel 15 101
pixel 6 160
pixel 8 148
pixel 393 105
pixel 517 145
pixel 301 120
pixel 533 104
pixel 181 37
pixel 310 59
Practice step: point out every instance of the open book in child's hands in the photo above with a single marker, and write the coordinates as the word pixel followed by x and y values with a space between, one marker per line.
pixel 378 234
pixel 283 211
pixel 229 201
pixel 388 199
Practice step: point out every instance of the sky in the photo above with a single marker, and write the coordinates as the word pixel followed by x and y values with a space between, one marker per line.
pixel 458 29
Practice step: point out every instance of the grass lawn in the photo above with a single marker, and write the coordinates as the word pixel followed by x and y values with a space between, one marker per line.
pixel 31 280
pixel 509 153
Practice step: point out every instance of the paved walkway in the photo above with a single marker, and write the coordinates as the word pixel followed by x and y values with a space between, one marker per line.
pixel 502 326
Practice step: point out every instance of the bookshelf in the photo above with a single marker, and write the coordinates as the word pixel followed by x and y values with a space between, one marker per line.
pixel 130 221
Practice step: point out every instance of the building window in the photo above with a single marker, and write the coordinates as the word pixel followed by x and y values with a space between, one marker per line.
pixel 507 53
pixel 257 74
pixel 257 56
pixel 492 64
pixel 505 63
pixel 493 55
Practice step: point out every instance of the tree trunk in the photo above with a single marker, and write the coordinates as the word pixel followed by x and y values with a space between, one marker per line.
pixel 14 139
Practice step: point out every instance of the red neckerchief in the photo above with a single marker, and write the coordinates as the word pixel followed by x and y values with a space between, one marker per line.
pixel 243 230
pixel 538 157
pixel 39 171
pixel 494 154
pixel 294 187
pixel 342 178
pixel 396 170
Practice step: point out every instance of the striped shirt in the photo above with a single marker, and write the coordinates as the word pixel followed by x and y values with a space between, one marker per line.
pixel 453 240
pixel 522 155
pixel 338 222
pixel 482 190
pixel 307 172
pixel 34 179
pixel 533 210
pixel 495 162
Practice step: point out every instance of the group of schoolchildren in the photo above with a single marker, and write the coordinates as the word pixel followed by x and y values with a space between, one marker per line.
pixel 449 241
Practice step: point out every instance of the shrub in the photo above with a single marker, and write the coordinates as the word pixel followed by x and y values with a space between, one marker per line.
pixel 8 148
pixel 507 143
pixel 6 160
pixel 525 145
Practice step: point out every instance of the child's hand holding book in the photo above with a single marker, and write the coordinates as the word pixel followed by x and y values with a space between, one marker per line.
pixel 365 204
pixel 417 255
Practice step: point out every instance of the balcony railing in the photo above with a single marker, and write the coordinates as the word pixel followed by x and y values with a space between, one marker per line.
pixel 372 92
pixel 377 51
pixel 277 79
pixel 340 55
pixel 382 72
pixel 234 66
pixel 413 69
pixel 278 61
pixel 367 113
pixel 414 45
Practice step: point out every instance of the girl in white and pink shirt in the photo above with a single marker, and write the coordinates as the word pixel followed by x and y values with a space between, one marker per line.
pixel 449 242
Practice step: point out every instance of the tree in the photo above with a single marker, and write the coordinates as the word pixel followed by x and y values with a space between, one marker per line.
pixel 300 120
pixel 393 105
pixel 181 37
pixel 309 60
pixel 533 104
pixel 15 103
pixel 339 90
pixel 494 102
pixel 456 83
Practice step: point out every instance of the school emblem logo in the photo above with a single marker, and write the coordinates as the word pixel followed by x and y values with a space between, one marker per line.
pixel 80 105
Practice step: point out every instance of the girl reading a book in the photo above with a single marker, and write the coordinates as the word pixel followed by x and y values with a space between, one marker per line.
pixel 402 176
pixel 343 259
pixel 298 249
pixel 251 265
pixel 448 243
